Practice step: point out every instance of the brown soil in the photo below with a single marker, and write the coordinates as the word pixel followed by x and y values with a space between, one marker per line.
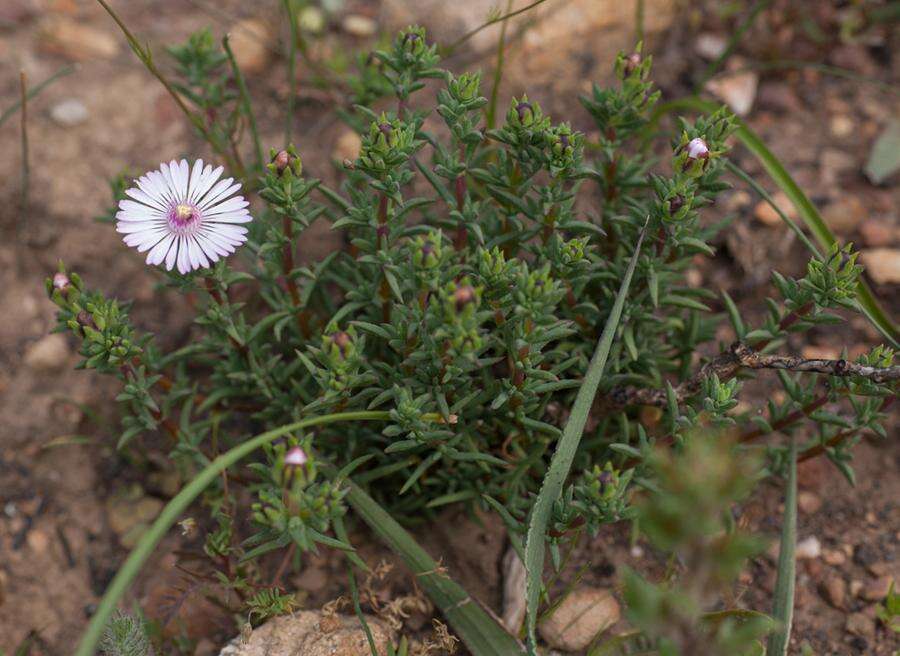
pixel 58 549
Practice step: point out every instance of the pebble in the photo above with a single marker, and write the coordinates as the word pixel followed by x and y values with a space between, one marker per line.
pixel 841 126
pixel 311 19
pixel 737 90
pixel 304 632
pixel 877 232
pixel 347 146
pixel 69 113
pixel 835 591
pixel 582 615
pixel 37 541
pixel 856 587
pixel 248 39
pixel 710 46
pixel 834 557
pixel 513 591
pixel 358 25
pixel 861 625
pixel 765 213
pixel 876 590
pixel 882 264
pixel 738 200
pixel 129 513
pixel 808 548
pixel 808 502
pixel 845 214
pixel 78 41
pixel 50 353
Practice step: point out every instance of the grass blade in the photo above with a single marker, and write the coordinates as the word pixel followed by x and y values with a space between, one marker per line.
pixel 245 100
pixel 180 502
pixel 481 633
pixel 866 300
pixel 565 452
pixel 35 90
pixel 783 604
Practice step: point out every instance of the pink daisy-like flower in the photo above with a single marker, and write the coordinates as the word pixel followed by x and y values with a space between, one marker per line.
pixel 184 216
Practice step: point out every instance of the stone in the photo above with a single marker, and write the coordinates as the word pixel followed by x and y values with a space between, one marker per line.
pixel 834 557
pixel 359 26
pixel 513 591
pixel 856 587
pixel 882 264
pixel 845 214
pixel 249 39
pixel 304 632
pixel 581 616
pixel 808 548
pixel 37 541
pixel 129 513
pixel 835 589
pixel 50 353
pixel 347 146
pixel 878 232
pixel 69 113
pixel 841 126
pixel 311 19
pixel 808 502
pixel 710 46
pixel 75 40
pixel 877 589
pixel 737 90
pixel 833 164
pixel 765 213
pixel 861 625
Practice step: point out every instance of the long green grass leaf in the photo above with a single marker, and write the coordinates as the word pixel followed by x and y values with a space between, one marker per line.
pixel 481 633
pixel 179 503
pixel 783 604
pixel 565 452
pixel 866 300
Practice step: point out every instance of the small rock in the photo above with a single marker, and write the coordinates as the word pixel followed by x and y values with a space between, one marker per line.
pixel 69 113
pixel 357 25
pixel 737 90
pixel 347 146
pixel 878 569
pixel 876 590
pixel 74 40
pixel 50 353
pixel 513 591
pixel 876 232
pixel 248 42
pixel 765 213
pixel 882 264
pixel 808 548
pixel 856 587
pixel 311 19
pixel 841 126
pixel 37 541
pixel 738 200
pixel 129 514
pixel 833 163
pixel 835 589
pixel 300 633
pixel 710 46
pixel 861 625
pixel 808 502
pixel 581 616
pixel 834 557
pixel 844 214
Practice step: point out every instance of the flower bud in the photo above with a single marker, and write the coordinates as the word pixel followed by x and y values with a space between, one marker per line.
pixel 296 457
pixel 675 204
pixel 281 160
pixel 697 149
pixel 61 281
pixel 463 295
pixel 342 340
pixel 632 62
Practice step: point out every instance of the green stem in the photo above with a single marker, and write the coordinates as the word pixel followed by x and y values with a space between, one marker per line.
pixel 498 70
pixel 180 503
pixel 245 101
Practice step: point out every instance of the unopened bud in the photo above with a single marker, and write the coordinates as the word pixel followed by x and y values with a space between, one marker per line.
pixel 281 160
pixel 523 109
pixel 342 340
pixel 85 319
pixel 605 479
pixel 385 129
pixel 296 457
pixel 463 296
pixel 61 281
pixel 632 62
pixel 675 204
pixel 697 149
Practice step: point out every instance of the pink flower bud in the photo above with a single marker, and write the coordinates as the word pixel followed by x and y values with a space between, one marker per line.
pixel 296 457
pixel 697 149
pixel 61 282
